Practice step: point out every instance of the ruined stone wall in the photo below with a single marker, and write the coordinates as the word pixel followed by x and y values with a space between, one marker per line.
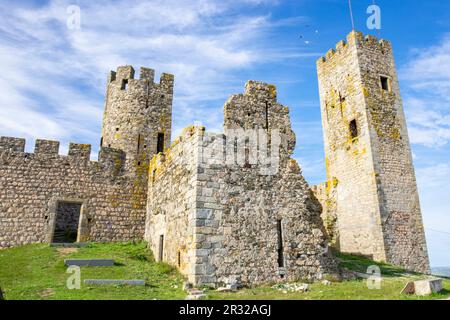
pixel 240 226
pixel 325 194
pixel 370 174
pixel 31 184
pixel 236 209
pixel 172 203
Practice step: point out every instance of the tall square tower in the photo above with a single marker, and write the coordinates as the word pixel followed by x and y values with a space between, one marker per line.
pixel 371 189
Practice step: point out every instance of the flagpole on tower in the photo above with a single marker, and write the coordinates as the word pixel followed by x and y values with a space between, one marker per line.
pixel 351 14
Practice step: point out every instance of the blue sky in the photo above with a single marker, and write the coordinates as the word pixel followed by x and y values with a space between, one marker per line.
pixel 52 78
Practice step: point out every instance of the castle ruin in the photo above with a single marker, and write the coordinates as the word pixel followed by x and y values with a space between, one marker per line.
pixel 231 207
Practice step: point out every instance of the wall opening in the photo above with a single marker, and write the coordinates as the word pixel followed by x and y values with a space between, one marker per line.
pixel 353 127
pixel 161 248
pixel 138 144
pixel 179 259
pixel 67 222
pixel 384 83
pixel 101 142
pixel 267 115
pixel 280 244
pixel 124 84
pixel 160 143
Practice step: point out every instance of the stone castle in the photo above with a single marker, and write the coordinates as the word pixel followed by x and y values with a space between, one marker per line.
pixel 231 207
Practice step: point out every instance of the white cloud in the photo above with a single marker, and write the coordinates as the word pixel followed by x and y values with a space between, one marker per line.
pixel 427 103
pixel 55 77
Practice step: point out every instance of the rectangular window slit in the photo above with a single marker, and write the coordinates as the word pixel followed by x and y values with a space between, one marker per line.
pixel 353 127
pixel 161 248
pixel 160 144
pixel 280 244
pixel 384 83
pixel 138 143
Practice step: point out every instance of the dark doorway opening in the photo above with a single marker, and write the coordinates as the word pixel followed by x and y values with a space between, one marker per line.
pixel 66 222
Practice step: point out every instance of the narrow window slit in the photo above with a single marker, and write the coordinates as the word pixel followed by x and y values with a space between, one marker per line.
pixel 161 248
pixel 160 143
pixel 353 127
pixel 280 244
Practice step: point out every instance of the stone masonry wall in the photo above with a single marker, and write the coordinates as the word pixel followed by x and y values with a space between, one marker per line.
pixel 349 164
pixel 402 225
pixel 31 184
pixel 136 111
pixel 171 205
pixel 228 225
pixel 370 175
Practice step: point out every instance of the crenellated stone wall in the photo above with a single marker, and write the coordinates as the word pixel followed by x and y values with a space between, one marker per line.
pixel 32 185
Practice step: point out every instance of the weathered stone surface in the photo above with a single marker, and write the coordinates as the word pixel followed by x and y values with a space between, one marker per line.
pixel 114 282
pixel 370 200
pixel 427 287
pixel 112 191
pixel 219 218
pixel 196 297
pixel 408 289
pixel 89 262
pixel 291 287
pixel 326 283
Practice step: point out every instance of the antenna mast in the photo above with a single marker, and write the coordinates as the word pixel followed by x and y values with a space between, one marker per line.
pixel 351 14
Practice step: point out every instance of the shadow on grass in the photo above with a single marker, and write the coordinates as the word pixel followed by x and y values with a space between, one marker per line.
pixel 119 264
pixel 361 264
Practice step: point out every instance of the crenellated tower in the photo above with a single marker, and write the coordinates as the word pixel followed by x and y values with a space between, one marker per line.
pixel 371 192
pixel 138 115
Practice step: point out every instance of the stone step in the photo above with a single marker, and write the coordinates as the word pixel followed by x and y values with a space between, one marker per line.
pixel 134 282
pixel 69 244
pixel 89 262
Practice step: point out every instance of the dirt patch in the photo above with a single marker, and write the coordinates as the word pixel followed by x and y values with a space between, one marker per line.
pixel 67 250
pixel 47 292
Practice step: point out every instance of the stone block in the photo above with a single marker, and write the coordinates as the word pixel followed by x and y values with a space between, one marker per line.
pixel 69 245
pixel 89 262
pixel 427 287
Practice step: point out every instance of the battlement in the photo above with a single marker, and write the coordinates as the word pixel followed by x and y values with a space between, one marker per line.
pixel 125 75
pixel 10 144
pixel 109 159
pixel 261 90
pixel 356 40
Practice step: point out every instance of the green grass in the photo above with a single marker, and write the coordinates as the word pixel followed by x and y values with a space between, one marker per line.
pixel 38 272
pixel 393 281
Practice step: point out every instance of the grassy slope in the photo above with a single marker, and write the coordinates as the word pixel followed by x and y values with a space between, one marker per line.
pixel 393 281
pixel 38 272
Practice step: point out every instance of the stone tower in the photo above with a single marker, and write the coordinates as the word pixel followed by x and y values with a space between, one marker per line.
pixel 371 193
pixel 138 115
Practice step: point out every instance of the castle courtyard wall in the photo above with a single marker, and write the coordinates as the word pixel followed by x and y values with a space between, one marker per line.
pixel 31 184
